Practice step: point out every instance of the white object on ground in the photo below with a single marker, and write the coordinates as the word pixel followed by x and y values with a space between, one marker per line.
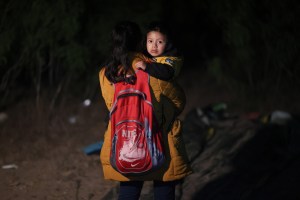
pixel 87 102
pixel 3 117
pixel 280 117
pixel 10 166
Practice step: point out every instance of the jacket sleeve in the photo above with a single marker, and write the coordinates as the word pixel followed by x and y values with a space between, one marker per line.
pixel 175 62
pixel 163 68
pixel 161 71
pixel 172 91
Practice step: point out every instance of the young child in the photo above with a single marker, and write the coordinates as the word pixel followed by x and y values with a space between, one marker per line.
pixel 160 59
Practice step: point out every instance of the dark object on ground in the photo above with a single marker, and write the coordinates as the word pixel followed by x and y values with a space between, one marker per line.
pixel 238 158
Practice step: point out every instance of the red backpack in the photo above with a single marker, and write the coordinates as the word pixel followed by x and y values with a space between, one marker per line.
pixel 137 146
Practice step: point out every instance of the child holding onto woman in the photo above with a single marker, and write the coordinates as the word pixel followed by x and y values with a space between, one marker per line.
pixel 161 58
pixel 118 68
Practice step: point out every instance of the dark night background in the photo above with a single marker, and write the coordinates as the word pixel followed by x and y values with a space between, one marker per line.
pixel 242 52
pixel 50 49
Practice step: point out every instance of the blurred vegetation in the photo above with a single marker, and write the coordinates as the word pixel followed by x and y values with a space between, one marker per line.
pixel 261 44
pixel 50 48
pixel 54 48
pixel 251 46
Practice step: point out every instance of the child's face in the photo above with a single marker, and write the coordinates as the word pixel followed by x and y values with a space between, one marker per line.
pixel 156 43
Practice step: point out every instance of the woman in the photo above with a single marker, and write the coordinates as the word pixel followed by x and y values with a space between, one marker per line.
pixel 168 102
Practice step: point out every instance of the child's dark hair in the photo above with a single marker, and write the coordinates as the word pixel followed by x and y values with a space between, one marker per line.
pixel 162 27
pixel 126 37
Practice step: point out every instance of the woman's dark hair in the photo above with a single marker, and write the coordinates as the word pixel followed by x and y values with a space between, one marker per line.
pixel 163 28
pixel 126 37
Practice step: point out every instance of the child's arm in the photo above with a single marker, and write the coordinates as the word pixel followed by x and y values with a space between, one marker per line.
pixel 158 70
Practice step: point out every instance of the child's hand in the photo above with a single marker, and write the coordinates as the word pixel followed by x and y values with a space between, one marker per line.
pixel 140 65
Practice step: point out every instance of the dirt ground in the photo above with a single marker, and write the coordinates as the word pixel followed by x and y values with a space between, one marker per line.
pixel 42 157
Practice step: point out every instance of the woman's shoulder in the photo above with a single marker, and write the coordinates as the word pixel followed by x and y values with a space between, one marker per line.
pixel 102 77
pixel 168 59
pixel 102 72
